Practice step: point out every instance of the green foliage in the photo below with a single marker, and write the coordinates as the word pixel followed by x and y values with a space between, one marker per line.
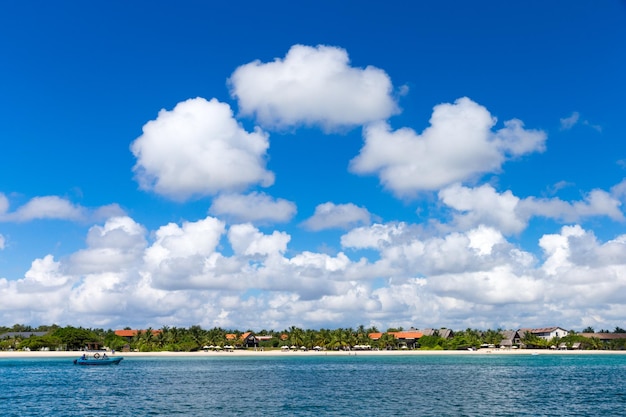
pixel 492 337
pixel 40 342
pixel 431 342
pixel 112 341
pixel 464 339
pixel 194 338
pixel 75 338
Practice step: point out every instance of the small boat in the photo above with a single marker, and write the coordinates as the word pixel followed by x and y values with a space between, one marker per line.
pixel 98 359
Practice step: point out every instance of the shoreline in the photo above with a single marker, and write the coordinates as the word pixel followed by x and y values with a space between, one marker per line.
pixel 279 353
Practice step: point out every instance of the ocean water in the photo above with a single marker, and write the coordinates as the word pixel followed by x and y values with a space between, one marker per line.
pixel 298 385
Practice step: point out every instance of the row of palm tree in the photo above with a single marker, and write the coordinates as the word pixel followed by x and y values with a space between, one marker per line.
pixel 195 337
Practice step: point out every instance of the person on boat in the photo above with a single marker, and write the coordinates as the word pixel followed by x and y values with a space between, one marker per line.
pixel 83 357
pixel 104 356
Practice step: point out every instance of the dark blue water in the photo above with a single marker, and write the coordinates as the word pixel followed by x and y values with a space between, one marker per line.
pixel 459 385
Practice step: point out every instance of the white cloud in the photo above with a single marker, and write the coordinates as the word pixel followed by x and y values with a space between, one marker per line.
pixel 2 242
pixel 254 207
pixel 40 297
pixel 595 203
pixel 484 205
pixel 459 145
pixel 54 208
pixel 510 214
pixel 483 239
pixel 456 279
pixel 337 216
pixel 569 122
pixel 47 207
pixel 247 240
pixel 193 238
pixel 116 246
pixel 312 86
pixel 4 204
pixel 199 149
pixel 372 237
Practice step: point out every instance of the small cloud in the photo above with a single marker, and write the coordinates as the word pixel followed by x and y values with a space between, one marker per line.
pixel 46 207
pixel 403 90
pixel 559 186
pixel 337 216
pixel 2 242
pixel 597 128
pixel 569 122
pixel 54 208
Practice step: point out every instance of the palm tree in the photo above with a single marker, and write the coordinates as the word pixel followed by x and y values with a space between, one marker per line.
pixel 387 341
pixel 295 336
pixel 146 340
pixel 493 337
pixel 161 338
pixel 323 338
pixel 362 335
pixel 197 335
pixel 308 339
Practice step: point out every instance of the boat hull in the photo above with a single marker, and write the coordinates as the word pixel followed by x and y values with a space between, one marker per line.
pixel 98 362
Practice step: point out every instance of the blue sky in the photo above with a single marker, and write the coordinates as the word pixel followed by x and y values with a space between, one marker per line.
pixel 325 164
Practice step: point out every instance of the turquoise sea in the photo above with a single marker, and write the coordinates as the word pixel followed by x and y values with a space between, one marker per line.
pixel 293 385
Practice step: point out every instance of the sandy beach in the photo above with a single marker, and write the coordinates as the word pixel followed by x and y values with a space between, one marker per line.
pixel 279 353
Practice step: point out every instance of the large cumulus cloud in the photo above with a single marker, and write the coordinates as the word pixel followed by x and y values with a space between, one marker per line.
pixel 199 149
pixel 313 86
pixel 459 145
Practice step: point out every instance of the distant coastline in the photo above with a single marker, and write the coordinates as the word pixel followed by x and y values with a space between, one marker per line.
pixel 278 353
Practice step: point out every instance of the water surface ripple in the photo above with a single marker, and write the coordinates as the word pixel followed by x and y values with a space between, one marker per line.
pixel 292 385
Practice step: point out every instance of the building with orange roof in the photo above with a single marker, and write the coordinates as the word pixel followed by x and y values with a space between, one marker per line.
pixel 405 339
pixel 247 339
pixel 129 334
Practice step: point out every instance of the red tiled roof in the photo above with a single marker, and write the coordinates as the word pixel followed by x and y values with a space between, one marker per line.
pixel 233 336
pixel 126 333
pixel 133 333
pixel 407 335
pixel 397 335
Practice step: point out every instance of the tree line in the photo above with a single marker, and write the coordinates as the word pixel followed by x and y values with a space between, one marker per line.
pixel 180 339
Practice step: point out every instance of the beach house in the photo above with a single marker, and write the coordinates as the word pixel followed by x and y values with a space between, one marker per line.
pixel 404 339
pixel 246 340
pixel 546 333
